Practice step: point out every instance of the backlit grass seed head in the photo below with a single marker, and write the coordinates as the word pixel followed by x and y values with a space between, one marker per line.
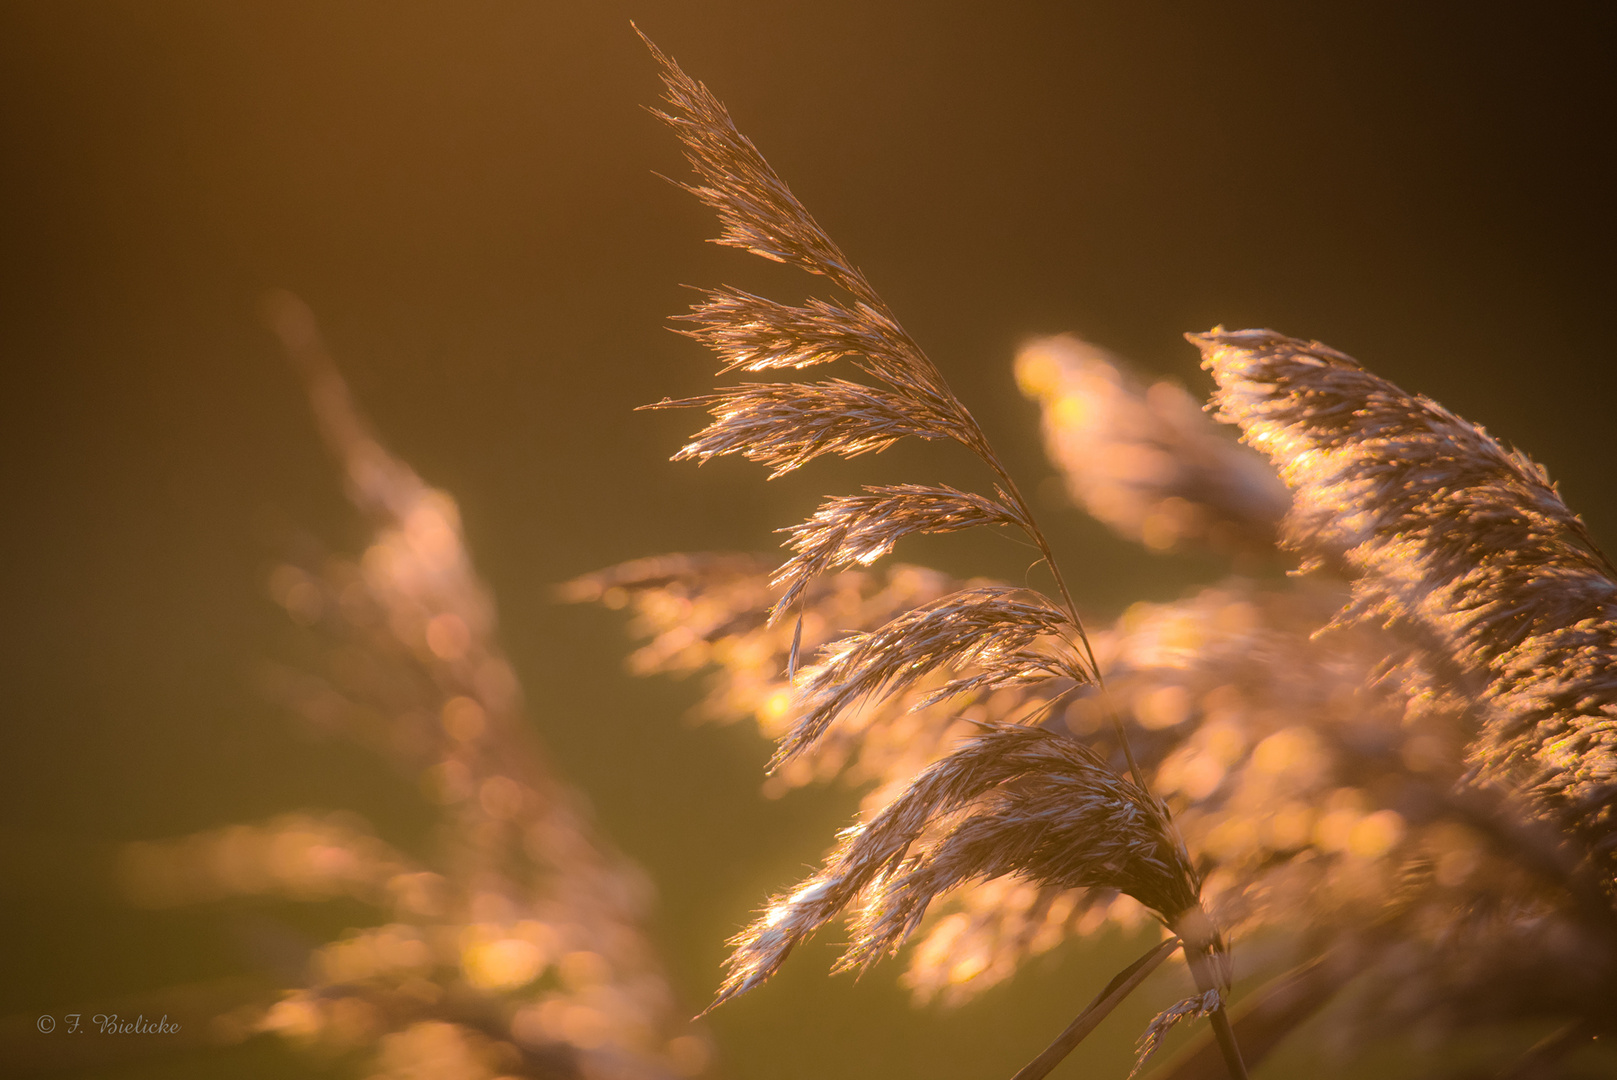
pixel 1315 765
pixel 1190 1008
pixel 1026 803
pixel 519 946
pixel 757 210
pixel 1293 767
pixel 760 214
pixel 1013 801
pixel 1147 461
pixel 1441 525
pixel 994 628
pixel 787 425
pixel 1017 802
pixel 856 530
pixel 753 333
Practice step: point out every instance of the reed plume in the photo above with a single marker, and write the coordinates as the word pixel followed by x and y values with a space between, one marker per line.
pixel 856 530
pixel 1440 525
pixel 517 946
pixel 1014 801
pixel 1146 460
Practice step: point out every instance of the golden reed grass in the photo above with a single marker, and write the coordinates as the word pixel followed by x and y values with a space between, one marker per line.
pixel 1392 774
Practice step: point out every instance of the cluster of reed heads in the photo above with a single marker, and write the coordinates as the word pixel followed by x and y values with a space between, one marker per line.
pixel 1391 775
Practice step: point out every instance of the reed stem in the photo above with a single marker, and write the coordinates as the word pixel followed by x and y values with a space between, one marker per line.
pixel 1097 1010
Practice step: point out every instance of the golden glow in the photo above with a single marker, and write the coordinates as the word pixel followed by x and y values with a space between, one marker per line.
pixel 1290 826
pixel 503 965
pixel 1293 751
pixel 1164 707
pixel 1376 834
pixel 689 1055
pixel 583 969
pixel 294 1018
pixel 501 797
pixel 448 636
pixel 464 719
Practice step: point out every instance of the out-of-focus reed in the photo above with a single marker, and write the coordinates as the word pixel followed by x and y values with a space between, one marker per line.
pixel 515 945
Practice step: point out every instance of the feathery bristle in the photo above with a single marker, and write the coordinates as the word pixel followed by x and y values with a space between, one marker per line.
pixel 1017 801
pixel 1442 525
pixel 758 211
pixel 989 627
pixel 786 425
pixel 760 214
pixel 1041 808
pixel 856 530
pixel 753 333
pixel 1190 1008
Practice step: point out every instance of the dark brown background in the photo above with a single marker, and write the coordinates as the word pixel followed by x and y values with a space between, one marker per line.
pixel 463 192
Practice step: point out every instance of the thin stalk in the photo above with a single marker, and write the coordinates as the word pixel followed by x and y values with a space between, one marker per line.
pixel 978 443
pixel 1036 534
pixel 1273 1013
pixel 1542 1057
pixel 1200 969
pixel 1097 1010
pixel 1227 1044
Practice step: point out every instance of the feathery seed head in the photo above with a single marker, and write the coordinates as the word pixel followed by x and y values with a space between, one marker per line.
pixel 1012 801
pixel 1190 1008
pixel 758 211
pixel 1016 802
pixel 852 530
pixel 1442 526
pixel 786 425
pixel 1147 461
pixel 995 628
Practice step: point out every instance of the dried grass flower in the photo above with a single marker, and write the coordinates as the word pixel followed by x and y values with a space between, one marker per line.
pixel 516 946
pixel 1439 525
pixel 1015 800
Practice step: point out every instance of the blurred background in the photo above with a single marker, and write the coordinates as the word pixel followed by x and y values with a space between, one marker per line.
pixel 464 195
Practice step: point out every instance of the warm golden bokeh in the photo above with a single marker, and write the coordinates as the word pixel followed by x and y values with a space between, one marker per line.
pixel 195 820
